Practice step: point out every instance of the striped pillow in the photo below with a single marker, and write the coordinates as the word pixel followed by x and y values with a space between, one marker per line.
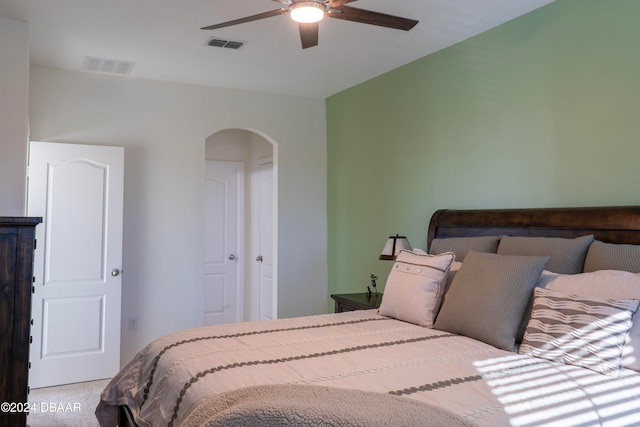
pixel 607 284
pixel 582 331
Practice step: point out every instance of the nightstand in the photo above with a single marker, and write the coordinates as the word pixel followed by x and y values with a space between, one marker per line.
pixel 350 302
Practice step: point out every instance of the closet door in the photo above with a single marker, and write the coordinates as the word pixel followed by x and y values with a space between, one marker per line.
pixel 224 219
pixel 266 289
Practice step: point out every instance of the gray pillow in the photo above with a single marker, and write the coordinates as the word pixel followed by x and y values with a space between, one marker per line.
pixel 566 256
pixel 609 256
pixel 488 297
pixel 461 245
pixel 543 282
pixel 448 280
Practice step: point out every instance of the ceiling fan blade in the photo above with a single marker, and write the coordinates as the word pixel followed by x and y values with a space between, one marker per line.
pixel 336 3
pixel 308 34
pixel 373 18
pixel 247 19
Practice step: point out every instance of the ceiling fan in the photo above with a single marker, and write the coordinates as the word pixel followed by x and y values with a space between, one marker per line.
pixel 309 13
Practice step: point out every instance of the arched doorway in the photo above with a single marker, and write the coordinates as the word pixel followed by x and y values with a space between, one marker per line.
pixel 240 282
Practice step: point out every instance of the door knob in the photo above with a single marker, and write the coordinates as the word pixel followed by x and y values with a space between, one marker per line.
pixel 259 258
pixel 232 257
pixel 115 272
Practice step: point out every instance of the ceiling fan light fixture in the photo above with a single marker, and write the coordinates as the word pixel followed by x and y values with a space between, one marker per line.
pixel 307 12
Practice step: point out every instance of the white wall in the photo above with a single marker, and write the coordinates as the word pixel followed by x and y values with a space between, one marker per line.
pixel 229 145
pixel 163 127
pixel 14 94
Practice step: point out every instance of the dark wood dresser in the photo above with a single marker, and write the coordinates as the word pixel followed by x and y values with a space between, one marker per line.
pixel 17 243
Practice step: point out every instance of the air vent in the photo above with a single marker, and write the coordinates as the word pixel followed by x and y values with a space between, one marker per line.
pixel 228 44
pixel 103 65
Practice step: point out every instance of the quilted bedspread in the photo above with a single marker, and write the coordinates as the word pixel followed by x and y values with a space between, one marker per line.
pixel 178 377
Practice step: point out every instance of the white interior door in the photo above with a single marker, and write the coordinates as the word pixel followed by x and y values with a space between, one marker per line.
pixel 78 190
pixel 266 291
pixel 223 291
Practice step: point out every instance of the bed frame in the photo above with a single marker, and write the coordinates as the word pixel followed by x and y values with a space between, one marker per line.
pixel 615 224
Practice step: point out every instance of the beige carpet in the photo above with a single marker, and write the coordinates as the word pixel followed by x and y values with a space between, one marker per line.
pixel 65 406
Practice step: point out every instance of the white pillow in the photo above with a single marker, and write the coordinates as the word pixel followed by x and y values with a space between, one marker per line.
pixel 414 288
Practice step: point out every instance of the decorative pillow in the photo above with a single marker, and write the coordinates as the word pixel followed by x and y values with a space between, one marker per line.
pixel 609 256
pixel 448 279
pixel 543 281
pixel 608 284
pixel 582 331
pixel 414 288
pixel 462 245
pixel 488 297
pixel 566 255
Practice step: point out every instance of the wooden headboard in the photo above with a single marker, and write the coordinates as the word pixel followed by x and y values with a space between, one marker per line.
pixel 616 224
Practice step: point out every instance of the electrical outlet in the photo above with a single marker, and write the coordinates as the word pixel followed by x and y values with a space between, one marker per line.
pixel 133 323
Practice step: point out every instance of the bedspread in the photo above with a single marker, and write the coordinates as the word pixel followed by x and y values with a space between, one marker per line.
pixel 169 380
pixel 317 406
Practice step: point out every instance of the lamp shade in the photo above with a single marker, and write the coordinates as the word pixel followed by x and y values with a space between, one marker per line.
pixel 393 247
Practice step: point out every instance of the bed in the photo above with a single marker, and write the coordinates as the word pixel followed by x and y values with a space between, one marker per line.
pixel 520 317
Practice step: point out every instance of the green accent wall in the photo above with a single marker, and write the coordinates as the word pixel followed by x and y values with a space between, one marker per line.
pixel 542 111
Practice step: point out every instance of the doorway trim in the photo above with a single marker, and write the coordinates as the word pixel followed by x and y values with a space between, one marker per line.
pixel 211 139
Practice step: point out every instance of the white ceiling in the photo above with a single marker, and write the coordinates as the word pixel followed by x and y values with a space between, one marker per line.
pixel 163 38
